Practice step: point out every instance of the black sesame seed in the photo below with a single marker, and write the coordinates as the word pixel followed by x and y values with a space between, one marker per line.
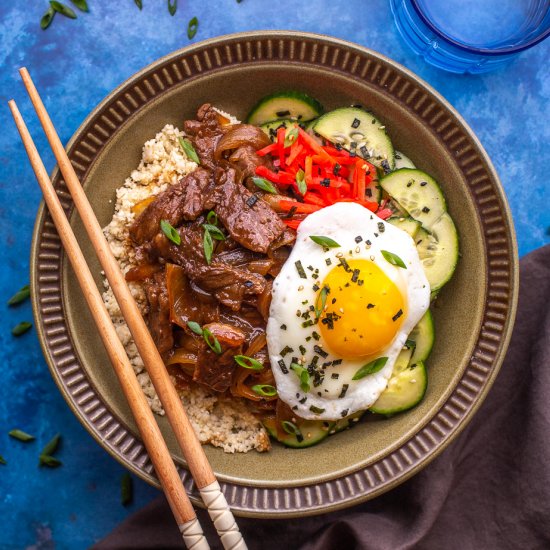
pixel 370 306
pixel 325 182
pixel 336 169
pixel 355 123
pixel 358 239
pixel 425 210
pixel 303 400
pixel 381 227
pixel 282 114
pixel 344 413
pixel 328 261
pixel 283 327
pixel 423 183
pixel 252 201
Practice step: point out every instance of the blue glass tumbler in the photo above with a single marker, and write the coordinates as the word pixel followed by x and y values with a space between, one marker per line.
pixel 471 36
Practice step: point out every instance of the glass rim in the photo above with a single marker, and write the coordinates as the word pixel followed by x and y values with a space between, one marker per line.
pixel 473 49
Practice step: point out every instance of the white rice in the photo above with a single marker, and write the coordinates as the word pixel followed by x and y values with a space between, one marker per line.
pixel 225 423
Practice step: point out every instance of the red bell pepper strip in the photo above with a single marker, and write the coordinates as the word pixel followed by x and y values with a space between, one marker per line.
pixel 300 207
pixel 266 150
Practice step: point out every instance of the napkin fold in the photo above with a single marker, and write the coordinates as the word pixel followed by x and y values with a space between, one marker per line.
pixel 490 489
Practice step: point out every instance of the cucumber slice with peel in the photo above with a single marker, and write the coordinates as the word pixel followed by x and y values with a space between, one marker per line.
pixel 347 422
pixel 403 161
pixel 292 105
pixel 438 251
pixel 423 336
pixel 359 132
pixel 417 193
pixel 310 432
pixel 404 391
pixel 407 224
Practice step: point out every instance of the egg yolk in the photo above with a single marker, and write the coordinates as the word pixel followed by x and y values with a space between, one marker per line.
pixel 363 309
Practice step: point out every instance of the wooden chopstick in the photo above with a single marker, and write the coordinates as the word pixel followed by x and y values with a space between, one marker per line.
pixel 156 447
pixel 193 452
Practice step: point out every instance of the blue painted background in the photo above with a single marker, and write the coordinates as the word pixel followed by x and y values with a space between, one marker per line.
pixel 75 64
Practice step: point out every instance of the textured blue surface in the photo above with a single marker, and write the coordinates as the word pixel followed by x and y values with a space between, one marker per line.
pixel 75 64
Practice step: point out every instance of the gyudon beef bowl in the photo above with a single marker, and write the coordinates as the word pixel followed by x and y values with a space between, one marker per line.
pixel 322 252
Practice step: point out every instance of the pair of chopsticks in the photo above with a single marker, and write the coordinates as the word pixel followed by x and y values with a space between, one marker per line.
pixel 165 468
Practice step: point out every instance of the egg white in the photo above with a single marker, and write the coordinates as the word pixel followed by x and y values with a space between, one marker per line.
pixel 343 222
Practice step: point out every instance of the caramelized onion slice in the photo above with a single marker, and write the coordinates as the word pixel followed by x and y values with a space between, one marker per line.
pixel 241 134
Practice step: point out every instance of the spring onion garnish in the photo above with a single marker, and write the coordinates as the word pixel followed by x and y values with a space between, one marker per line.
pixel 170 232
pixel 325 242
pixel 195 327
pixel 393 259
pixel 316 410
pixel 212 218
pixel 138 3
pixel 2 460
pixel 301 181
pixel 20 296
pixel 214 231
pixel 291 135
pixel 370 368
pixel 264 185
pixel 172 6
pixel 189 150
pixel 46 458
pixel 410 344
pixel 47 18
pixel 248 362
pixel 291 429
pixel 21 435
pixel 303 375
pixel 21 328
pixel 212 341
pixel 192 28
pixel 208 246
pixel 63 9
pixel 82 5
pixel 265 390
pixel 126 489
pixel 322 297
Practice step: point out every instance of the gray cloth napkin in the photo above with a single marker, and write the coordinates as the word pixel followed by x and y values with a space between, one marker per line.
pixel 490 489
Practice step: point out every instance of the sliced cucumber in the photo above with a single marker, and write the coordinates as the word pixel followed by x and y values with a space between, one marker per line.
pixel 310 432
pixel 403 161
pixel 291 105
pixel 403 360
pixel 407 224
pixel 347 422
pixel 404 390
pixel 416 192
pixel 423 335
pixel 358 132
pixel 270 128
pixel 438 251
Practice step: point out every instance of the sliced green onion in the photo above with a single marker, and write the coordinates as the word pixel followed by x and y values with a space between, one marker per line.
pixel 52 445
pixel 21 435
pixel 316 410
pixel 20 296
pixel 410 344
pixel 326 242
pixel 303 375
pixel 192 28
pixel 195 327
pixel 21 328
pixel 47 18
pixel 170 232
pixel 189 150
pixel 215 232
pixel 208 246
pixel 291 135
pixel 212 218
pixel 63 9
pixel 301 181
pixel 172 6
pixel 264 185
pixel 291 428
pixel 265 390
pixel 370 368
pixel 248 362
pixel 82 5
pixel 50 461
pixel 394 259
pixel 323 297
pixel 126 489
pixel 212 341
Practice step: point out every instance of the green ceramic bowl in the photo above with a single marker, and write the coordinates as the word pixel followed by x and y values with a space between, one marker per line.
pixel 473 314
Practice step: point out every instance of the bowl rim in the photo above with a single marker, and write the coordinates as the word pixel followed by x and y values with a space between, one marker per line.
pixel 507 325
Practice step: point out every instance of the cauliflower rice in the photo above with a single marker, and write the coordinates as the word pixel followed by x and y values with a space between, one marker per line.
pixel 223 422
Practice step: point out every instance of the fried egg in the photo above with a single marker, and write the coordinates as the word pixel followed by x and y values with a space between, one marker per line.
pixel 339 310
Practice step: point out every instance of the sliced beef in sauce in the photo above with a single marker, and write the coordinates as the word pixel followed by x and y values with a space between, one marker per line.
pixel 246 160
pixel 184 200
pixel 158 319
pixel 250 222
pixel 216 370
